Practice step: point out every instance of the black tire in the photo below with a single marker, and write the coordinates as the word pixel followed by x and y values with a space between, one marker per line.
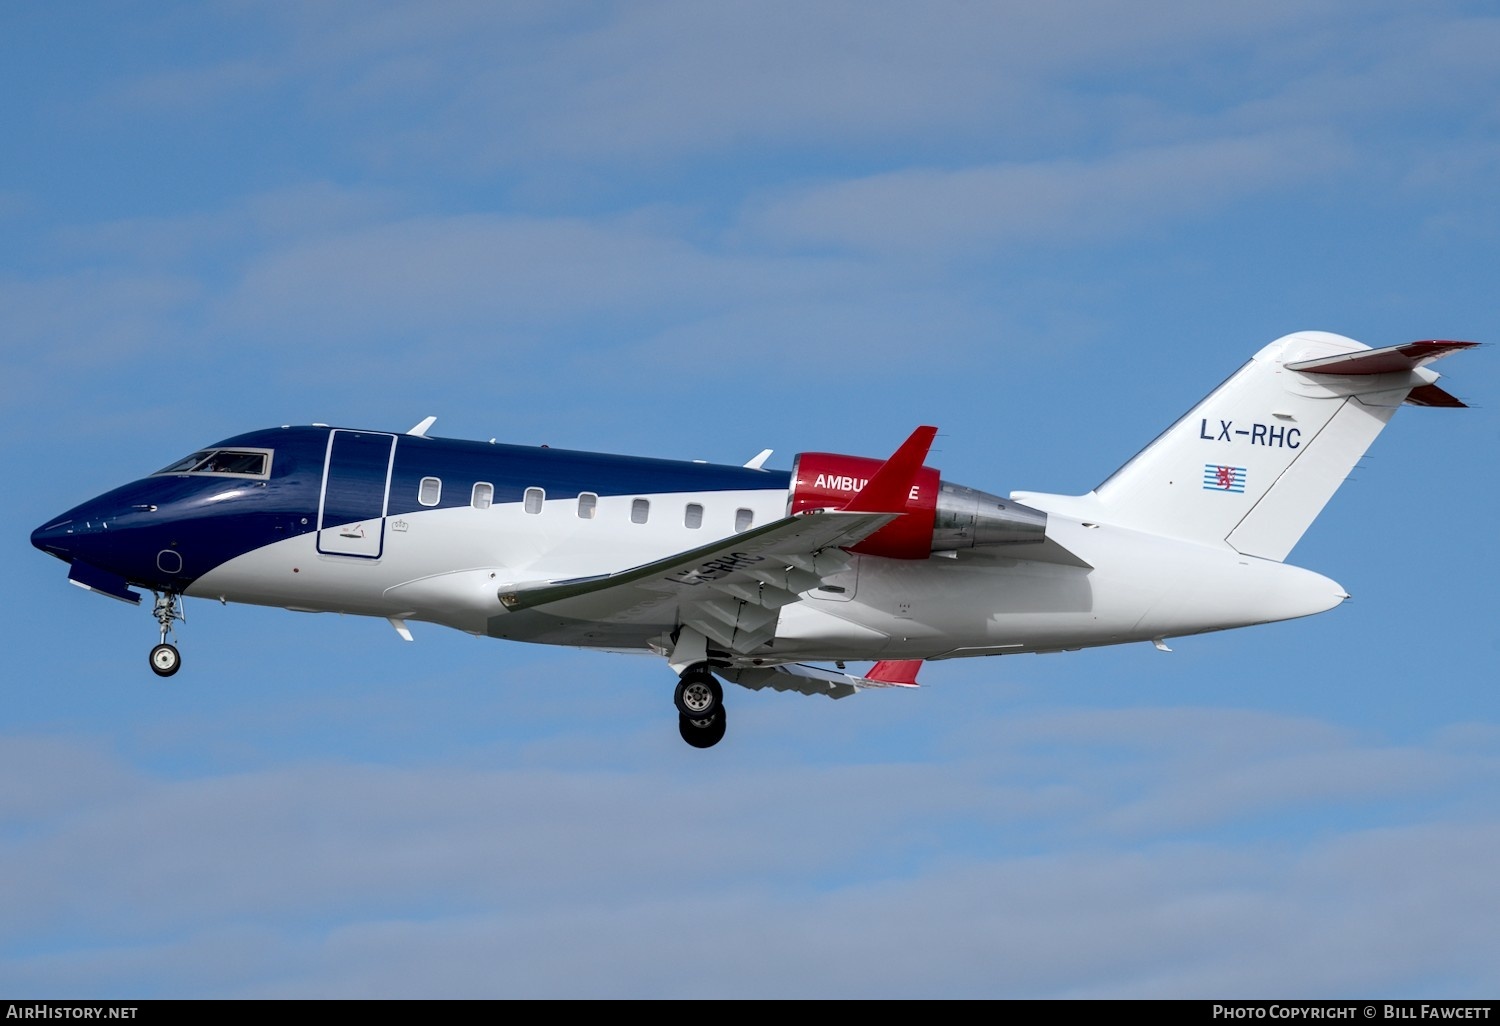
pixel 698 693
pixel 703 733
pixel 165 660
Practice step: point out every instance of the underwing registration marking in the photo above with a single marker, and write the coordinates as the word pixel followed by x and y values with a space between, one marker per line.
pixel 713 569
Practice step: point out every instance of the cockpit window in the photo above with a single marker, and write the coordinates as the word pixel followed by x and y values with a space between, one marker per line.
pixel 237 462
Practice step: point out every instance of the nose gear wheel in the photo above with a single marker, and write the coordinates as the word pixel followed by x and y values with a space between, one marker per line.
pixel 165 660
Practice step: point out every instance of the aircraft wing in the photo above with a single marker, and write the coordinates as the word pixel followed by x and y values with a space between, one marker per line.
pixel 729 590
pixel 815 680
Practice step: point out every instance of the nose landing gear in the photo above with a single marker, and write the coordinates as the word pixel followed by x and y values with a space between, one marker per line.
pixel 165 659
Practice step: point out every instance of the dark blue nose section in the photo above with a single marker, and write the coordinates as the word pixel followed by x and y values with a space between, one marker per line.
pixel 56 538
pixel 77 537
pixel 71 541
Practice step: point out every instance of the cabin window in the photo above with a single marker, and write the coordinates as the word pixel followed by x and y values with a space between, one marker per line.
pixel 236 462
pixel 587 501
pixel 693 517
pixel 534 497
pixel 430 491
pixel 743 518
pixel 640 511
pixel 484 494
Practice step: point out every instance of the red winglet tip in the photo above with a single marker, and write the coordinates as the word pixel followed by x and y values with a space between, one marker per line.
pixel 901 672
pixel 888 488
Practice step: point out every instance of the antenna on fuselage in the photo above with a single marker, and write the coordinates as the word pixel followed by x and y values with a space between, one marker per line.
pixel 757 462
pixel 420 430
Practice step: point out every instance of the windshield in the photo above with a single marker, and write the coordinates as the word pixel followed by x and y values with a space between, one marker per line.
pixel 237 462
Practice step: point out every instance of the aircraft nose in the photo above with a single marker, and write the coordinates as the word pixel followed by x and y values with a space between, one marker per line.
pixel 55 537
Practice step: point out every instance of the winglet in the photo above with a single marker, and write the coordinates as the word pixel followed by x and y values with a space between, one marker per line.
pixel 895 673
pixel 889 488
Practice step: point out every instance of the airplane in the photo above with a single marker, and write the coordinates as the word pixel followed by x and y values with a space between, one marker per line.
pixel 755 576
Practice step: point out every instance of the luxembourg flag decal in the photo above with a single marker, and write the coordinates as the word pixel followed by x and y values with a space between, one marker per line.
pixel 1223 479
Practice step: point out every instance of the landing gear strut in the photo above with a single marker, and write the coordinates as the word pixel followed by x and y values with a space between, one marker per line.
pixel 700 707
pixel 165 659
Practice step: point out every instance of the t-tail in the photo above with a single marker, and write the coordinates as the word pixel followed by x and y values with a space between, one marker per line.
pixel 1256 461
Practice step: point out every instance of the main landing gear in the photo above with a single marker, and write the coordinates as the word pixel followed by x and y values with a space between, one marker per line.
pixel 700 707
pixel 165 659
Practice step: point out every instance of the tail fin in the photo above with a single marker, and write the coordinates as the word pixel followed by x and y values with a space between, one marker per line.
pixel 1255 462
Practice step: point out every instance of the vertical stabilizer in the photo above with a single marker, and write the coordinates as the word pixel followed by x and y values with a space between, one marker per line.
pixel 1254 463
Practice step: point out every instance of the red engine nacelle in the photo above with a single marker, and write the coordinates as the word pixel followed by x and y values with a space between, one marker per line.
pixel 826 480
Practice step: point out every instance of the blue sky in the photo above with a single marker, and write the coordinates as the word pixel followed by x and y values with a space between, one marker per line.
pixel 695 231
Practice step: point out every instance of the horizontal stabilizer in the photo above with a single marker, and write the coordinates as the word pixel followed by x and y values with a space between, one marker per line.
pixel 1390 360
pixel 1431 395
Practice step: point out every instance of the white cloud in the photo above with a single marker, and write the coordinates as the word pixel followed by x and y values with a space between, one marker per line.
pixel 80 320
pixel 203 242
pixel 995 872
pixel 662 80
pixel 45 774
pixel 487 86
pixel 1371 76
pixel 196 90
pixel 1048 203
pixel 427 276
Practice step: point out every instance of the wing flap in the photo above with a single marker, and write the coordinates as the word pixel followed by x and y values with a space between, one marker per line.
pixel 714 583
pixel 757 593
pixel 786 579
pixel 815 680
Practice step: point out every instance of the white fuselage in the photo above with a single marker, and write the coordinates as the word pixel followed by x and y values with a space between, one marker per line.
pixel 448 566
